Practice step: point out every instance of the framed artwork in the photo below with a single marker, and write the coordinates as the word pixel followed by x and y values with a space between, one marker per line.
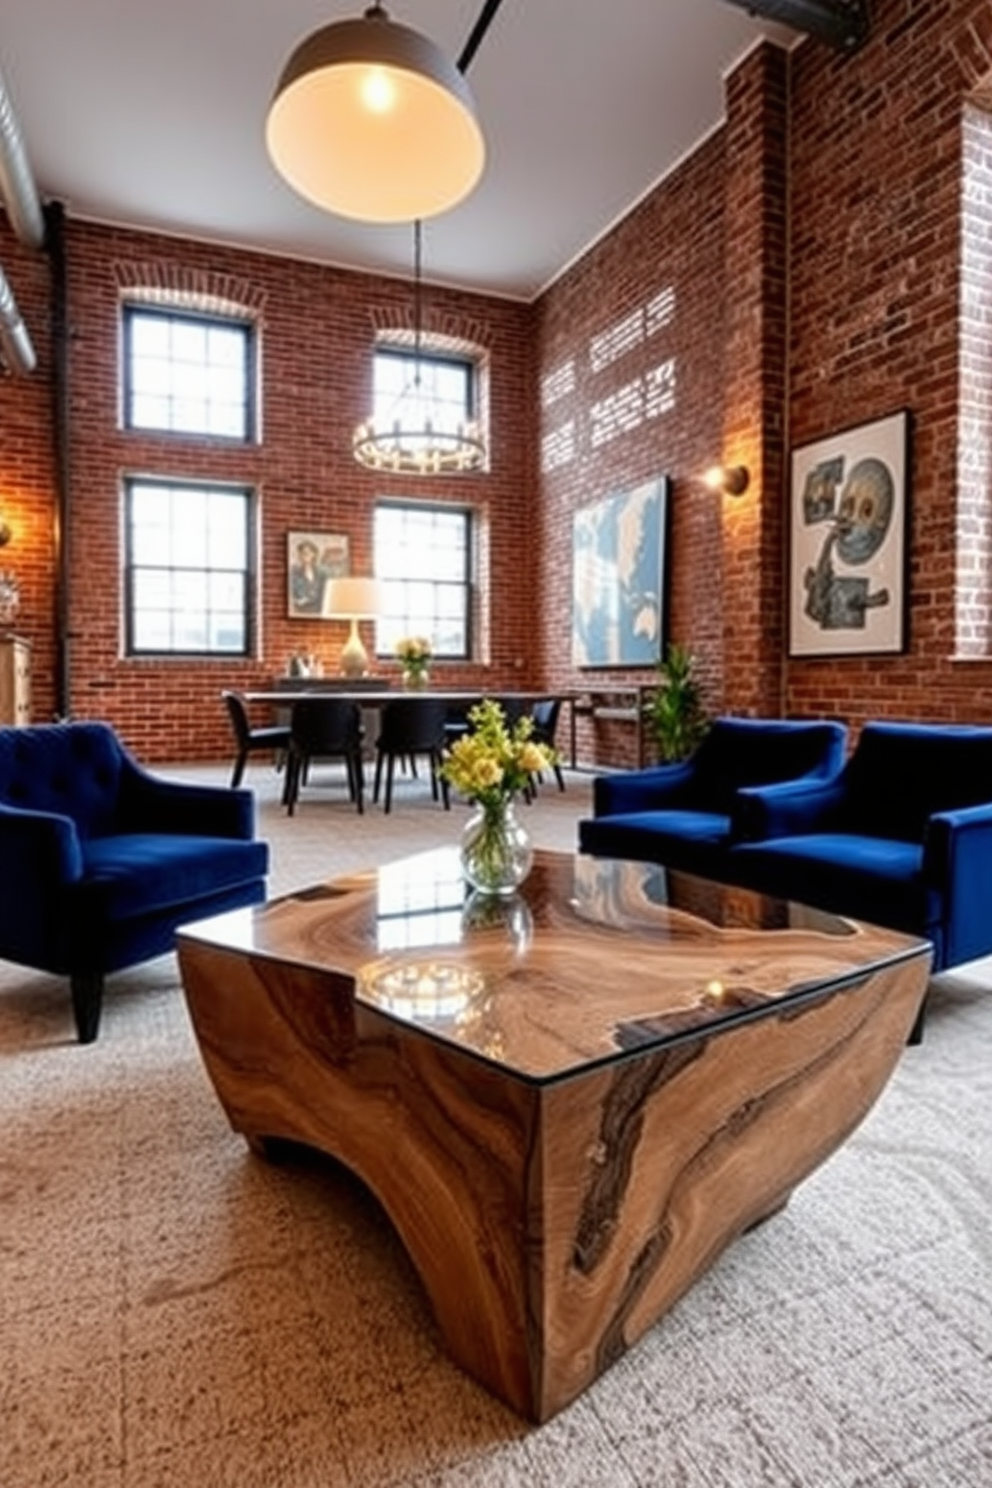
pixel 618 578
pixel 311 559
pixel 848 541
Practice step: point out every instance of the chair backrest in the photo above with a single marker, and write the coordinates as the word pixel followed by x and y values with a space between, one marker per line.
pixel 738 752
pixel 513 708
pixel 238 714
pixel 70 769
pixel 545 716
pixel 326 725
pixel 900 774
pixel 412 725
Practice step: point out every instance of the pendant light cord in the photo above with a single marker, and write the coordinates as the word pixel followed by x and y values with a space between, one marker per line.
pixel 417 246
pixel 478 31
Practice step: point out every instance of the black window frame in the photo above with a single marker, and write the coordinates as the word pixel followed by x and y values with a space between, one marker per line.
pixel 250 572
pixel 130 311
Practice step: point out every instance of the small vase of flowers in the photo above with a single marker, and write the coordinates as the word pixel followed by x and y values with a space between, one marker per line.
pixel 490 765
pixel 414 656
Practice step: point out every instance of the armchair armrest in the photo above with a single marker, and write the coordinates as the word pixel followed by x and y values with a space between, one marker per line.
pixel 150 804
pixel 39 852
pixel 40 857
pixel 787 809
pixel 957 860
pixel 640 790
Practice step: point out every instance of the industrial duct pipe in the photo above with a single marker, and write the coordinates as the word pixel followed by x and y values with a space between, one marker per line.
pixel 15 343
pixel 20 197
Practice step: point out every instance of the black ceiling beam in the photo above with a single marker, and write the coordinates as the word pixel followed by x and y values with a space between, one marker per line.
pixel 485 20
pixel 842 24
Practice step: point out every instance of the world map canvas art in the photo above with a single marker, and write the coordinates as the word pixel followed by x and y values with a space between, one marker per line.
pixel 618 578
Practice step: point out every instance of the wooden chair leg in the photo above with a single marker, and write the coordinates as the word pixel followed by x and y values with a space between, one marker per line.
pixel 390 766
pixel 239 768
pixel 87 1002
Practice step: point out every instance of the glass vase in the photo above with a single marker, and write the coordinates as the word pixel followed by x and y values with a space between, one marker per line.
pixel 415 679
pixel 496 849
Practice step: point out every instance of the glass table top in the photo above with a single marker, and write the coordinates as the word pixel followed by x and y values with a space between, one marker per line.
pixel 591 960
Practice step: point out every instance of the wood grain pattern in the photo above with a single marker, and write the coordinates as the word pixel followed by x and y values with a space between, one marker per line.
pixel 570 1122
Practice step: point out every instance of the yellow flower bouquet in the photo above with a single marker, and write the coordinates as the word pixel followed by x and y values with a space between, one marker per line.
pixel 489 765
pixel 414 655
pixel 492 762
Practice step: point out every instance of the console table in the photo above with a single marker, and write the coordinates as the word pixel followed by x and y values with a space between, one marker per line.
pixel 620 704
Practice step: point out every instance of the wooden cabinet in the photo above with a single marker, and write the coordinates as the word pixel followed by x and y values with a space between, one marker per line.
pixel 15 680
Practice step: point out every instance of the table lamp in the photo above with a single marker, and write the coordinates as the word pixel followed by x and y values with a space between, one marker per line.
pixel 352 599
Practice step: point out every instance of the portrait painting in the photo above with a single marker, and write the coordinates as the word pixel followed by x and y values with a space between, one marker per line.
pixel 311 559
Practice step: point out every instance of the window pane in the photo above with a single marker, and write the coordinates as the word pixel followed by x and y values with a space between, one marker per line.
pixel 411 393
pixel 187 374
pixel 226 533
pixel 188 568
pixel 422 555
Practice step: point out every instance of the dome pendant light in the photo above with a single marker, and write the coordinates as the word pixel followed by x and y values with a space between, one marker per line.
pixel 372 121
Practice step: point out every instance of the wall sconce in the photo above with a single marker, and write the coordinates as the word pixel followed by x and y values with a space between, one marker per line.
pixel 352 599
pixel 6 532
pixel 728 480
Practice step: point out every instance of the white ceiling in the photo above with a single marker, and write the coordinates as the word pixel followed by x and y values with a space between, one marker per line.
pixel 151 114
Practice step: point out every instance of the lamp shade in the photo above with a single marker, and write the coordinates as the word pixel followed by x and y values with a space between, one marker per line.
pixel 372 121
pixel 351 599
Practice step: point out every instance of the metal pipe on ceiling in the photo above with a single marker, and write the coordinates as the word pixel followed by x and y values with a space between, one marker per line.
pixel 20 197
pixel 17 188
pixel 15 344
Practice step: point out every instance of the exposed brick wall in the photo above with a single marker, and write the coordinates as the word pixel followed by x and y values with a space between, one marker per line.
pixel 317 332
pixel 812 247
pixel 876 171
pixel 973 574
pixel 28 469
pixel 754 368
pixel 673 239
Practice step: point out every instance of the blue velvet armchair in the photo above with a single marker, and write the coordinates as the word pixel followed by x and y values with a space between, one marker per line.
pixel 902 837
pixel 684 814
pixel 100 861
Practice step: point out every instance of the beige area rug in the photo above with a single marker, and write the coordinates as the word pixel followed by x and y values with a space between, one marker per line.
pixel 175 1313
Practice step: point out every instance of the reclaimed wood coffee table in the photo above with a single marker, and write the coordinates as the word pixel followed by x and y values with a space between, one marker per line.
pixel 568 1102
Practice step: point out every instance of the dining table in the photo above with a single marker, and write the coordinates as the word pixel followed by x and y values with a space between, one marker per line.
pixel 372 699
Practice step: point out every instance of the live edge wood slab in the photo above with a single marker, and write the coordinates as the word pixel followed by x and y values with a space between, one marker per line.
pixel 569 1102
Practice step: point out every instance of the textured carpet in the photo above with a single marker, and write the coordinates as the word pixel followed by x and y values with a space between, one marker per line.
pixel 175 1312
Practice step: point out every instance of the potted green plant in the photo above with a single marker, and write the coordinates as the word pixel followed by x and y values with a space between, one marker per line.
pixel 674 714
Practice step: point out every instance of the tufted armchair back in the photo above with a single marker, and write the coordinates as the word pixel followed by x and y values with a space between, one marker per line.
pixel 71 769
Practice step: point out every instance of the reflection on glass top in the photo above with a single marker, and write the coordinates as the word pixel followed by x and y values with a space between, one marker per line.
pixel 590 959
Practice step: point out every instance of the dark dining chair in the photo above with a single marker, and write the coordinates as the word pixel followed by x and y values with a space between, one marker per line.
pixel 408 727
pixel 325 728
pixel 271 737
pixel 544 716
pixel 456 724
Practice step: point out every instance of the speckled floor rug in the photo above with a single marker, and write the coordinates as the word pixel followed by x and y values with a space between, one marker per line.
pixel 175 1313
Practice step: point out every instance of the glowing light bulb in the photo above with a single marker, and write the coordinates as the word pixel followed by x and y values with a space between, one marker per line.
pixel 378 91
